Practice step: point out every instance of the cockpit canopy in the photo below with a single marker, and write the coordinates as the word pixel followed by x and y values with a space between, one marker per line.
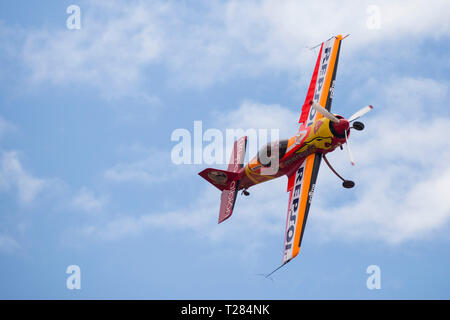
pixel 271 150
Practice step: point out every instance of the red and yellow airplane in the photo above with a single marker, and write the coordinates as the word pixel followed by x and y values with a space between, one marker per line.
pixel 299 157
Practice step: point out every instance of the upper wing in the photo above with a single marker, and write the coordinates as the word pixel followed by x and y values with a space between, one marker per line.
pixel 301 186
pixel 322 82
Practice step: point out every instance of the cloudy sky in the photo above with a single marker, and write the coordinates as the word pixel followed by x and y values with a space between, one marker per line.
pixel 86 177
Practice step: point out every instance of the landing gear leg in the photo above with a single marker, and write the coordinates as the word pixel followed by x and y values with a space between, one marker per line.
pixel 346 183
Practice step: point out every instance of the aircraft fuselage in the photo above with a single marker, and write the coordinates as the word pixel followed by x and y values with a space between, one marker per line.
pixel 322 136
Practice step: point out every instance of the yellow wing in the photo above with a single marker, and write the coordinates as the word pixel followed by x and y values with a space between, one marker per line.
pixel 301 188
pixel 322 82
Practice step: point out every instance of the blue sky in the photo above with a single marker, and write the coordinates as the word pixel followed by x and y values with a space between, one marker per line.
pixel 86 177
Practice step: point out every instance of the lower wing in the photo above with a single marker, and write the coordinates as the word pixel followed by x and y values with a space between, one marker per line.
pixel 301 186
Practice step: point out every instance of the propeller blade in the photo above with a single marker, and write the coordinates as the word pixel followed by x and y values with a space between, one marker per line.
pixel 348 149
pixel 324 111
pixel 360 113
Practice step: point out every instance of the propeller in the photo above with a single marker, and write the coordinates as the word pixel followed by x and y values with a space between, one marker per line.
pixel 332 117
pixel 360 113
pixel 348 149
pixel 324 111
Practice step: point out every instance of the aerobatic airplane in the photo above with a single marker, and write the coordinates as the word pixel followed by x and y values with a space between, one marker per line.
pixel 299 157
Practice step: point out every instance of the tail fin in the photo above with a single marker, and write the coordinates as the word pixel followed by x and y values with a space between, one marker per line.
pixel 228 181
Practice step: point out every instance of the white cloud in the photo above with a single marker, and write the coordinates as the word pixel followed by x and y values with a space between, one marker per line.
pixel 152 166
pixel 88 201
pixel 118 43
pixel 262 213
pixel 280 30
pixel 259 215
pixel 109 53
pixel 401 185
pixel 13 175
pixel 402 154
pixel 8 244
pixel 402 170
pixel 5 127
pixel 138 171
pixel 253 115
pixel 155 166
pixel 389 209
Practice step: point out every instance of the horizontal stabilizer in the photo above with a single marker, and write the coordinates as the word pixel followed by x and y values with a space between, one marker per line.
pixel 221 179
